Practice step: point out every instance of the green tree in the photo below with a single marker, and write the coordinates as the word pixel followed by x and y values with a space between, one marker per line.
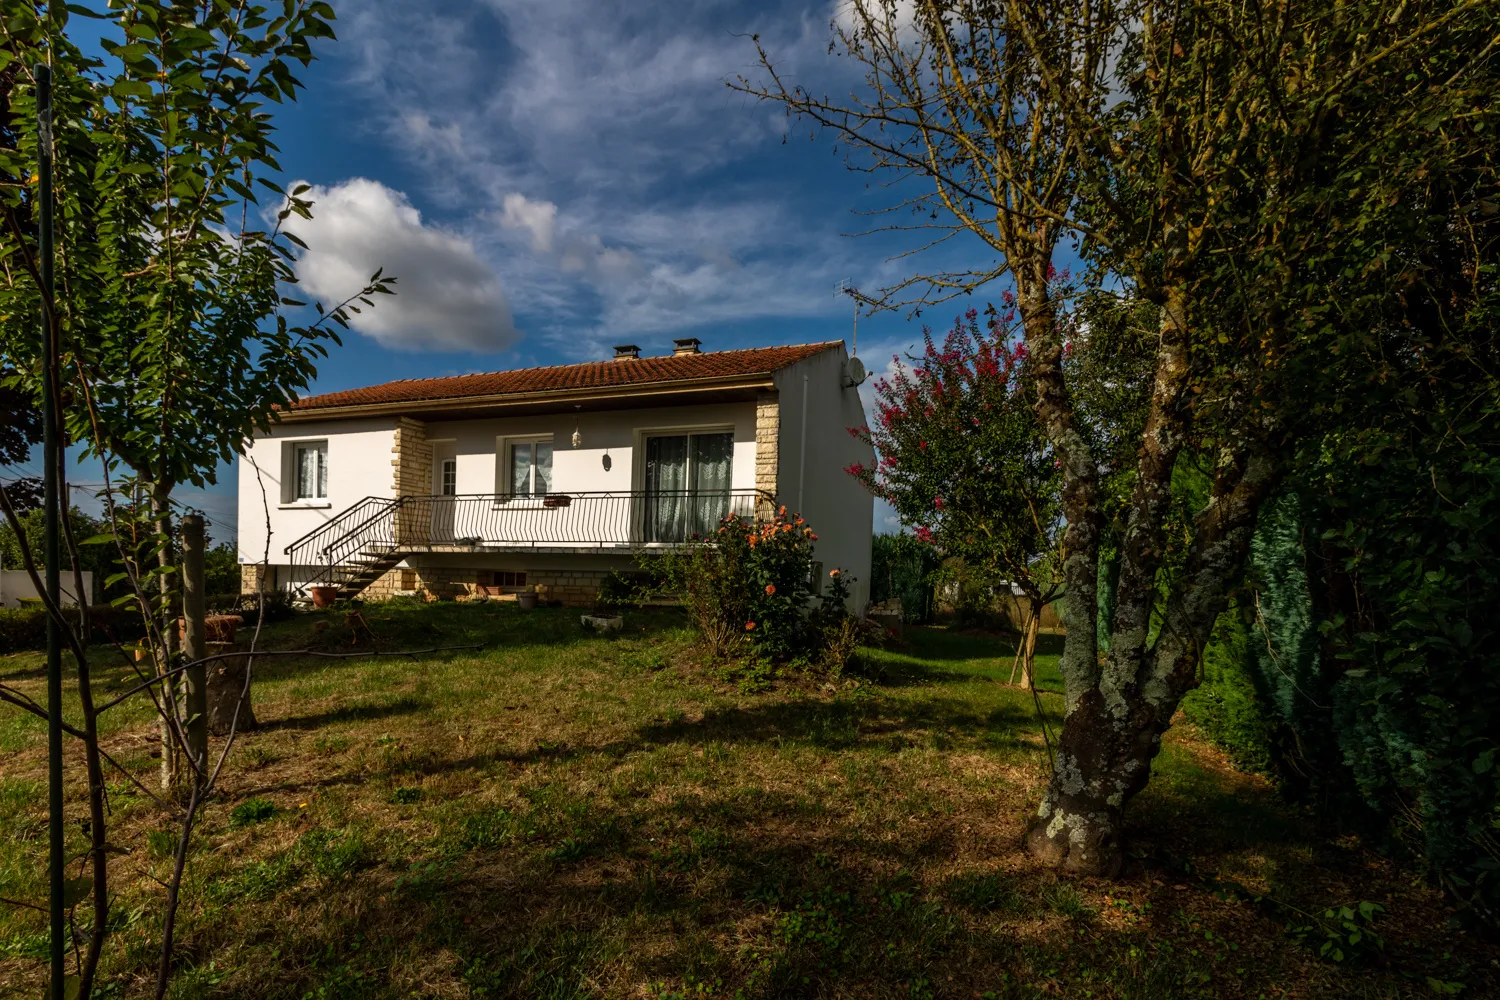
pixel 169 306
pixel 1211 161
pixel 964 463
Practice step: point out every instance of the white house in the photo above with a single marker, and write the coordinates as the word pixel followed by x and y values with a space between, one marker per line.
pixel 553 477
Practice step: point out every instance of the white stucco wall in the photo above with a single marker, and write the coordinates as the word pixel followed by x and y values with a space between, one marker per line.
pixel 17 589
pixel 359 466
pixel 839 509
pixel 619 433
pixel 359 460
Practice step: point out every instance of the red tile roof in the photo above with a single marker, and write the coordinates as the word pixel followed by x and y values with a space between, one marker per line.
pixel 706 366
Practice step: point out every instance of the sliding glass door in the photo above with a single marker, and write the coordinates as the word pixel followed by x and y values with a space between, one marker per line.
pixel 687 485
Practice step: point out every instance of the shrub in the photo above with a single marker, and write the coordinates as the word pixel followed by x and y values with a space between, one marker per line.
pixel 749 587
pixel 278 606
pixel 26 628
pixel 252 811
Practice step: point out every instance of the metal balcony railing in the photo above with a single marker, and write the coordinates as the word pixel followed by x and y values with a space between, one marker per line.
pixel 383 529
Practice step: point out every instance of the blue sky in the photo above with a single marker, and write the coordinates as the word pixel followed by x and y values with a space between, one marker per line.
pixel 547 179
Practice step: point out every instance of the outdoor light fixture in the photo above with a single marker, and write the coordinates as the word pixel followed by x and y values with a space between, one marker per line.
pixel 577 435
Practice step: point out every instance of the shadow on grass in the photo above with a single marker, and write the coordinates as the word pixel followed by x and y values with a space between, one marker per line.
pixel 405 705
pixel 493 626
pixel 755 893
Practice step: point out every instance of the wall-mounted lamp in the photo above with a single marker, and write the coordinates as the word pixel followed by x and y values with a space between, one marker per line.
pixel 577 435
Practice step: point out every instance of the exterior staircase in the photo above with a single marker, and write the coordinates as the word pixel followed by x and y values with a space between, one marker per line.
pixel 354 549
pixel 361 571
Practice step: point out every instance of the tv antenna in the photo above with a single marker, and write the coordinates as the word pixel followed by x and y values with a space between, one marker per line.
pixel 856 366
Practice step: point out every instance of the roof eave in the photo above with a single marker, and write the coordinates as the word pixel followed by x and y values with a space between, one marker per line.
pixel 506 400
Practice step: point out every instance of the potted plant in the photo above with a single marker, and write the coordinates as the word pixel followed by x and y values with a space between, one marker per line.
pixel 606 615
pixel 323 595
pixel 526 598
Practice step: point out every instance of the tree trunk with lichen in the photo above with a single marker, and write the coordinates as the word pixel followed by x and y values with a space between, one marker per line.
pixel 1103 759
pixel 1113 727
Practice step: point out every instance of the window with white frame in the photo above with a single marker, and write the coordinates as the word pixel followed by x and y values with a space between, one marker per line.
pixel 310 469
pixel 448 485
pixel 528 467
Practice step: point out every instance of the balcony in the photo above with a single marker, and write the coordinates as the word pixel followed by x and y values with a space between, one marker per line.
pixel 375 534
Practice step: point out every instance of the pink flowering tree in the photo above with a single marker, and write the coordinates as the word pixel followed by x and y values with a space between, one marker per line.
pixel 965 465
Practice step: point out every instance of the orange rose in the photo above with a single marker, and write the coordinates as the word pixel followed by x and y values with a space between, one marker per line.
pixel 749 626
pixel 770 588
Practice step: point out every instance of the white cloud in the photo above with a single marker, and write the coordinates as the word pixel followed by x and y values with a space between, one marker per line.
pixel 900 17
pixel 573 252
pixel 537 217
pixel 592 150
pixel 447 296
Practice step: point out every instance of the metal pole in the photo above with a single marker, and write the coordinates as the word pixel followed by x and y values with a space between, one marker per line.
pixel 193 639
pixel 51 544
pixel 802 451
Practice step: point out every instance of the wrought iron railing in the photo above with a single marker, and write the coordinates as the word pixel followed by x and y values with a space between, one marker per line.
pixel 378 527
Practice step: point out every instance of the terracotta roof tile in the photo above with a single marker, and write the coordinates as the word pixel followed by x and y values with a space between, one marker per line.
pixel 708 365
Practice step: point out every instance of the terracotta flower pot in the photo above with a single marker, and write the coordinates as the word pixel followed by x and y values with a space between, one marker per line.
pixel 216 628
pixel 323 597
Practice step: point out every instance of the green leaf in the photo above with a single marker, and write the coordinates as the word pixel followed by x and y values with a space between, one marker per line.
pixel 130 88
pixel 75 890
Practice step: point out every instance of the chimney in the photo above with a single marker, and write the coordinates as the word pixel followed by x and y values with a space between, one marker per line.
pixel 623 351
pixel 686 345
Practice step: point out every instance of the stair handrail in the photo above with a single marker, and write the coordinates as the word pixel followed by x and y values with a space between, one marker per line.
pixel 357 523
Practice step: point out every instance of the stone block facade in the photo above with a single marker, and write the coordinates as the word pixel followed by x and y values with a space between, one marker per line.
pixel 257 577
pixel 576 588
pixel 767 448
pixel 388 586
pixel 411 469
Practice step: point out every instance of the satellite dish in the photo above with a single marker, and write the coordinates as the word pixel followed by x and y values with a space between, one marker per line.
pixel 857 372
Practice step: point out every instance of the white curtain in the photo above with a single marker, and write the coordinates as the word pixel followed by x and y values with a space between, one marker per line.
pixel 687 485
pixel 666 480
pixel 520 469
pixel 312 472
pixel 711 456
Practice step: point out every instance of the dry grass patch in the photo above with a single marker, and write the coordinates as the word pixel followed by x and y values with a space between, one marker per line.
pixel 574 815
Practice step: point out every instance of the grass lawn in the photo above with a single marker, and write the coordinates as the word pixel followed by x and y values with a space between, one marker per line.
pixel 568 815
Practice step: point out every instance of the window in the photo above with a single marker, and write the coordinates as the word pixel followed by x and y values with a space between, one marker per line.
pixel 509 578
pixel 312 470
pixel 530 468
pixel 687 484
pixel 449 478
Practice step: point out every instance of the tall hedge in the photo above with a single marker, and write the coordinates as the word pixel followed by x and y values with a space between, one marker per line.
pixel 26 628
pixel 1361 667
pixel 901 566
